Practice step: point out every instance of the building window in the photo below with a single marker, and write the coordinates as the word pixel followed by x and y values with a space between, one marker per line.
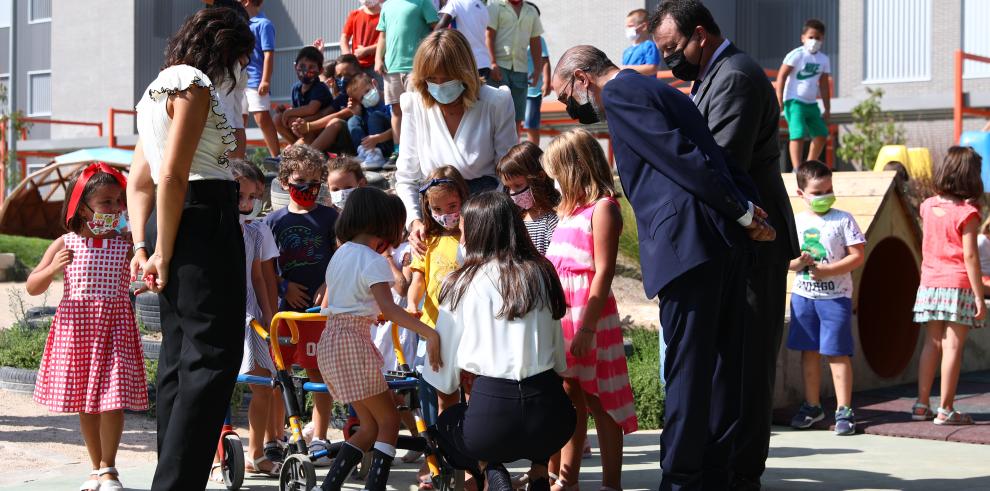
pixel 5 13
pixel 39 93
pixel 976 37
pixel 39 11
pixel 898 41
pixel 4 87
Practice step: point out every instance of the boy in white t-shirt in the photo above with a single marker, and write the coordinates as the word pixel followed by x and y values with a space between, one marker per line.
pixel 803 75
pixel 832 246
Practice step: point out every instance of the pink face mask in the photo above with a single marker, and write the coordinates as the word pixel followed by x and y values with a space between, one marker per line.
pixel 524 199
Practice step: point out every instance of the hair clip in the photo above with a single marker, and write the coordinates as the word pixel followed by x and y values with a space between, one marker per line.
pixel 434 182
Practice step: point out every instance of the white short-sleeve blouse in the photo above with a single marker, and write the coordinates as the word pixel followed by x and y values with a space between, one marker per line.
pixel 153 122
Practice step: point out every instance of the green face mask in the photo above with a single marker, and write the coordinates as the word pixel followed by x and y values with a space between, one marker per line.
pixel 821 204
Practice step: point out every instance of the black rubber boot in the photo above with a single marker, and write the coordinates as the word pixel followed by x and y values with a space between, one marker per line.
pixel 498 478
pixel 348 457
pixel 378 474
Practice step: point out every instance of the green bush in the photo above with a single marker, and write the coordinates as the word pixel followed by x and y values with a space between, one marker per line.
pixel 151 372
pixel 629 240
pixel 644 376
pixel 22 346
pixel 29 250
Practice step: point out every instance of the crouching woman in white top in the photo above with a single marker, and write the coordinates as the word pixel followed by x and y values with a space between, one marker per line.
pixel 500 320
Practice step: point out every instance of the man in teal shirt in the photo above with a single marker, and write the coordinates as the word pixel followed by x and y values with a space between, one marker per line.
pixel 514 26
pixel 403 24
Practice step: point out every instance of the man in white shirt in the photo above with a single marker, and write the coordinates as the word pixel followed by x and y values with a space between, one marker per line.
pixel 470 17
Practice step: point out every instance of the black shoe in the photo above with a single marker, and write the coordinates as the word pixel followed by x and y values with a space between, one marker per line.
pixel 378 474
pixel 347 458
pixel 743 483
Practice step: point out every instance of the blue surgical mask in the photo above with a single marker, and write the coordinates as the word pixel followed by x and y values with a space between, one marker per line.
pixel 446 92
pixel 371 98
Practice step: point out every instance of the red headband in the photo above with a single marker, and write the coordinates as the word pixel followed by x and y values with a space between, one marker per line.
pixel 87 173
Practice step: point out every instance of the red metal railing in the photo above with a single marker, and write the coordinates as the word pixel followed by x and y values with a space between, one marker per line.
pixel 959 107
pixel 112 125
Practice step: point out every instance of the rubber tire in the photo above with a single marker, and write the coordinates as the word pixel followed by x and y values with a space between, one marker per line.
pixel 39 312
pixel 297 474
pixel 18 379
pixel 151 348
pixel 148 312
pixel 233 462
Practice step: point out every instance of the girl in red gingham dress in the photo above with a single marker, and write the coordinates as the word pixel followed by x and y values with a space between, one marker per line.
pixel 93 364
pixel 359 281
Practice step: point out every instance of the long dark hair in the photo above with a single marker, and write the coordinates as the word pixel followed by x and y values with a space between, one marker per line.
pixel 374 212
pixel 494 231
pixel 212 40
pixel 958 174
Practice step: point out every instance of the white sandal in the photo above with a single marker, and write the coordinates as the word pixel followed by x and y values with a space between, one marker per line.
pixel 276 467
pixel 216 477
pixel 93 484
pixel 112 484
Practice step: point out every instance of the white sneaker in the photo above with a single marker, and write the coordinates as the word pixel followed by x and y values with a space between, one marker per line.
pixel 315 446
pixel 373 160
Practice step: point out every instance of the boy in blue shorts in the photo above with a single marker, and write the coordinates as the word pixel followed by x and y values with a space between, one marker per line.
pixel 803 75
pixel 536 93
pixel 259 71
pixel 832 246
pixel 643 55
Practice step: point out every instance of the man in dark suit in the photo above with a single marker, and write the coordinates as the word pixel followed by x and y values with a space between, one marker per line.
pixel 734 95
pixel 693 216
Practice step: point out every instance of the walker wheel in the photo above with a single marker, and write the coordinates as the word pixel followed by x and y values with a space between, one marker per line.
pixel 297 474
pixel 233 462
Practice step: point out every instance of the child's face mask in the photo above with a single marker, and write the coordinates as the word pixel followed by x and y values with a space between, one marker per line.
pixel 106 223
pixel 448 221
pixel 821 203
pixel 524 199
pixel 304 194
pixel 339 198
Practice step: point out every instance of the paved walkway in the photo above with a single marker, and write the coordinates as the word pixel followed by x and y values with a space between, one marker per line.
pixel 807 461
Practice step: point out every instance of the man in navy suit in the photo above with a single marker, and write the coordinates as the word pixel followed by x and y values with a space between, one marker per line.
pixel 696 221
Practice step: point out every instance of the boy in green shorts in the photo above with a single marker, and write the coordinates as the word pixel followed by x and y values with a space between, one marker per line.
pixel 803 75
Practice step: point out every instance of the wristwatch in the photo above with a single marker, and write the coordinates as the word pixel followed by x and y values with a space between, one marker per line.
pixel 140 245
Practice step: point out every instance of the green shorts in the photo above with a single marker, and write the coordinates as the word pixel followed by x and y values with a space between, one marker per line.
pixel 804 120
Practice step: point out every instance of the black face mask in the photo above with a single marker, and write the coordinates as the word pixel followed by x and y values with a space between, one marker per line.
pixel 584 113
pixel 681 67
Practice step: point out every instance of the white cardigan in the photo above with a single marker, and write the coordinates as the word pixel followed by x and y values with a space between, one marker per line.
pixel 486 132
pixel 473 339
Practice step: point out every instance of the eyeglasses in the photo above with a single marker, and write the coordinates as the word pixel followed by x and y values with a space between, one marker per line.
pixel 434 182
pixel 570 88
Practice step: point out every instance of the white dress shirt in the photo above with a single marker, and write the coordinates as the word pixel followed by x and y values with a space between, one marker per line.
pixel 486 132
pixel 472 338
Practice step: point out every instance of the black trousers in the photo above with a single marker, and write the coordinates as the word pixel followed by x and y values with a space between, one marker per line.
pixel 202 312
pixel 507 421
pixel 702 314
pixel 766 291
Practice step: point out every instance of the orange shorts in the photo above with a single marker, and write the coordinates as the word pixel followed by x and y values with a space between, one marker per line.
pixel 303 353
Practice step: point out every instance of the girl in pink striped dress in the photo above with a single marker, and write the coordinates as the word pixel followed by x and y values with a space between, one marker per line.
pixel 93 364
pixel 583 250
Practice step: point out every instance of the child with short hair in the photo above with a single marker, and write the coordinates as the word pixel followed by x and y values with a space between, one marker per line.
pixel 343 177
pixel 304 231
pixel 93 363
pixel 371 125
pixel 583 250
pixel 324 131
pixel 259 72
pixel 531 189
pixel 832 247
pixel 403 24
pixel 643 56
pixel 371 222
pixel 950 297
pixel 802 76
pixel 309 95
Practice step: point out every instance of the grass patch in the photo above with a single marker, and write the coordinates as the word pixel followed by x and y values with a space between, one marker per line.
pixel 629 240
pixel 22 346
pixel 29 250
pixel 644 377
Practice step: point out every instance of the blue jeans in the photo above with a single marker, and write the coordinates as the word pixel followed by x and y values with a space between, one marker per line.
pixel 376 122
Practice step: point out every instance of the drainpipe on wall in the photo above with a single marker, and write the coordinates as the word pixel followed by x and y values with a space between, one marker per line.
pixel 11 100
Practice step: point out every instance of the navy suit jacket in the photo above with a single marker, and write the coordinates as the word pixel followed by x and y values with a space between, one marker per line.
pixel 685 196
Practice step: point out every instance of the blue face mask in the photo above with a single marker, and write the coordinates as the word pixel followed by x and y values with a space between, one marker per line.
pixel 446 92
pixel 341 84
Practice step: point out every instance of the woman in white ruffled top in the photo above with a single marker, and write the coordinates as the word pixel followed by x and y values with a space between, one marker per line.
pixel 192 253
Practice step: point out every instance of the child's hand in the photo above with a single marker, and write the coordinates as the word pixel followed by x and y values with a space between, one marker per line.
pixel 296 296
pixel 61 260
pixel 981 309
pixel 263 88
pixel 370 142
pixel 582 342
pixel 299 127
pixel 433 351
pixel 380 67
pixel 820 271
pixel 806 259
pixel 318 43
